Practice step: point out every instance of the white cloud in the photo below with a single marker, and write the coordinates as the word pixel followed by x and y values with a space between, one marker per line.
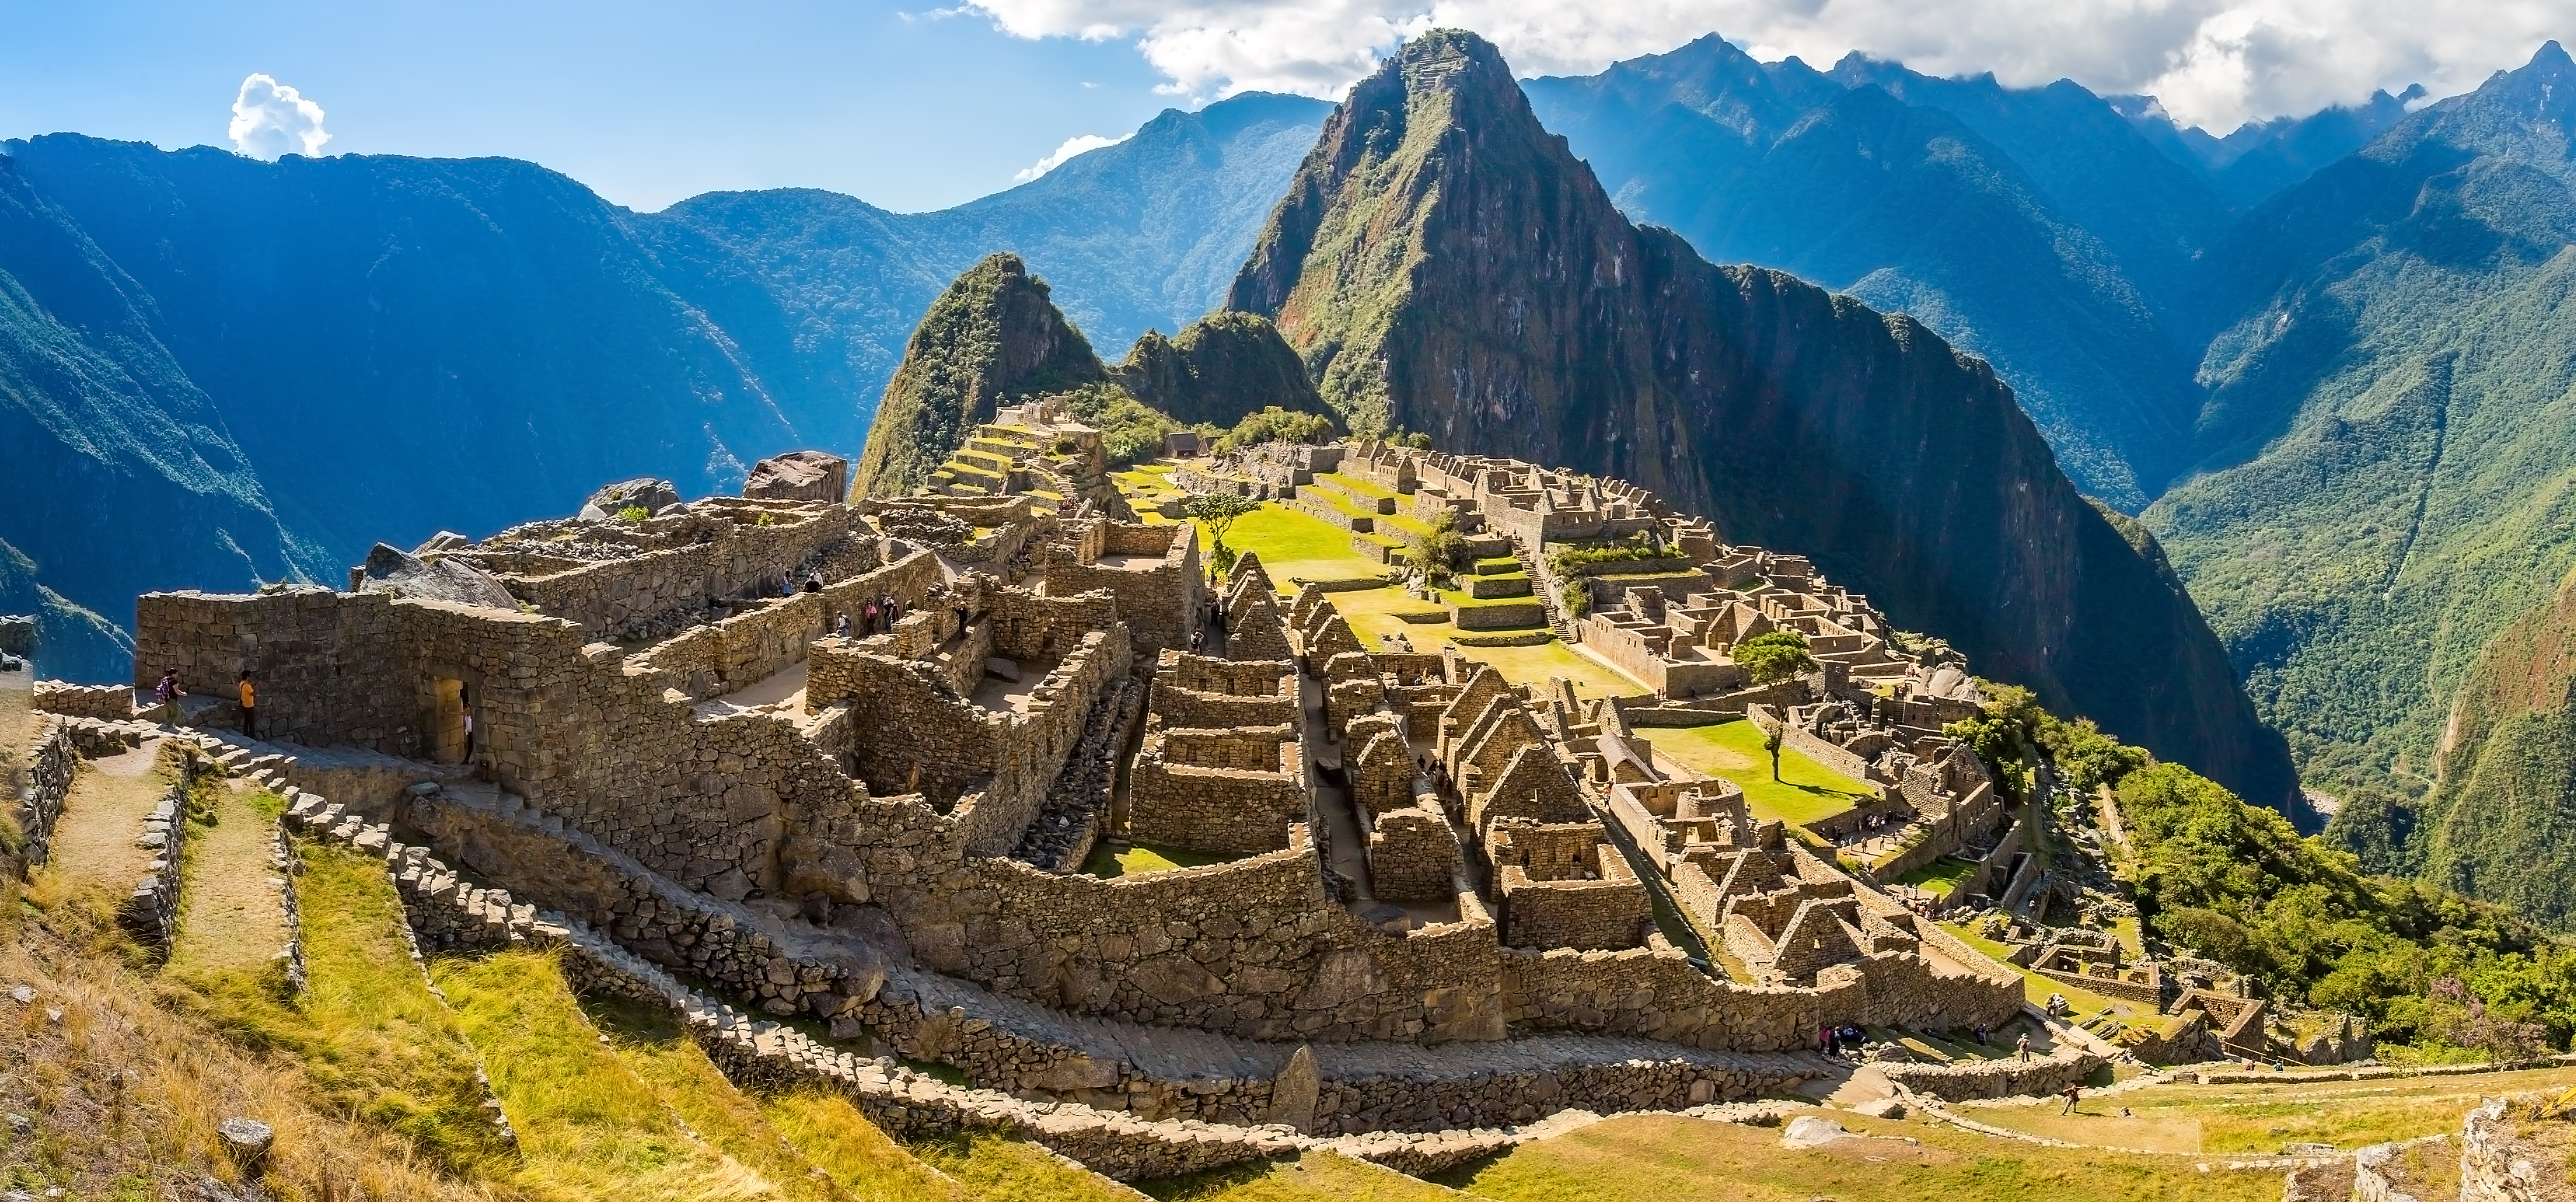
pixel 1078 144
pixel 271 119
pixel 2213 62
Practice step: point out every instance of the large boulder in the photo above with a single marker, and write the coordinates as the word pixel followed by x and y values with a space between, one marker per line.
pixel 799 476
pixel 435 578
pixel 645 492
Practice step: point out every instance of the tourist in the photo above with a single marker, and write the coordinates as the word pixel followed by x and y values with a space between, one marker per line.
pixel 1825 1039
pixel 841 626
pixel 2071 1092
pixel 870 614
pixel 249 698
pixel 1981 1035
pixel 165 697
pixel 2021 1047
pixel 892 612
pixel 466 699
pixel 961 617
pixel 814 582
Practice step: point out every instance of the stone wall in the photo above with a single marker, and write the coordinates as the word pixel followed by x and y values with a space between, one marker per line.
pixel 1230 792
pixel 151 912
pixel 740 558
pixel 559 720
pixel 720 657
pixel 1159 603
pixel 45 782
pixel 109 701
pixel 1413 856
pixel 1604 914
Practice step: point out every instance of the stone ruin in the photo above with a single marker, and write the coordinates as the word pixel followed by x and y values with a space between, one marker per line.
pixel 1417 884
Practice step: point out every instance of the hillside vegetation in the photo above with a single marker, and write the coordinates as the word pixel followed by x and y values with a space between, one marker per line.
pixel 2236 883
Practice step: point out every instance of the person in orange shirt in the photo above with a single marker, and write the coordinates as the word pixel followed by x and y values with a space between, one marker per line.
pixel 249 699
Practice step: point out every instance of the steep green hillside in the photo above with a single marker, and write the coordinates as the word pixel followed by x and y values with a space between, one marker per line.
pixel 1218 369
pixel 117 472
pixel 1445 265
pixel 2501 822
pixel 71 642
pixel 2392 423
pixel 993 335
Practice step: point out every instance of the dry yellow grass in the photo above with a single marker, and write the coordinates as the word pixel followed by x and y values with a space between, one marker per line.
pixel 1664 1158
pixel 2261 1119
pixel 1314 1177
pixel 1001 1169
pixel 231 918
pixel 125 1092
pixel 832 1135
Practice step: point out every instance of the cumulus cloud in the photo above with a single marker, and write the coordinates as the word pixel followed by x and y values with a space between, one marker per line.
pixel 2212 62
pixel 1078 144
pixel 271 119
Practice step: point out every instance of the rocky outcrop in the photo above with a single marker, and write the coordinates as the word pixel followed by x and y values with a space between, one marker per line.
pixel 994 334
pixel 1444 264
pixel 1217 369
pixel 799 476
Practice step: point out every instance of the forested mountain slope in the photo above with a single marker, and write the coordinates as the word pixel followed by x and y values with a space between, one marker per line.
pixel 2391 422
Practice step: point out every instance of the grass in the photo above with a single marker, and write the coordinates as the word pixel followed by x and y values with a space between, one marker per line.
pixel 1365 488
pixel 124 1092
pixel 231 917
pixel 1293 543
pixel 1806 791
pixel 1939 877
pixel 1314 1177
pixel 374 1044
pixel 833 1136
pixel 1663 1158
pixel 2259 1119
pixel 1140 858
pixel 95 861
pixel 589 1127
pixel 998 1168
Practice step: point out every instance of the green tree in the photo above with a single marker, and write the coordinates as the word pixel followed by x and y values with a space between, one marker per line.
pixel 1771 734
pixel 1440 551
pixel 1218 511
pixel 1777 655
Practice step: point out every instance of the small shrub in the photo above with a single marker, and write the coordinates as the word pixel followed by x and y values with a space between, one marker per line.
pixel 765 520
pixel 632 513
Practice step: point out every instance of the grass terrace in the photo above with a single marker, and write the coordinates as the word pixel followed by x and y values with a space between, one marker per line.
pixel 1941 877
pixel 2258 1119
pixel 1670 1158
pixel 1806 791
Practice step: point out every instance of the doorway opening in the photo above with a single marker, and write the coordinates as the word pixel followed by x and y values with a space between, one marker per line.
pixel 448 730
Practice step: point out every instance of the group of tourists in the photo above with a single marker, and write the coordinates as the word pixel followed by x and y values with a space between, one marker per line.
pixel 876 617
pixel 1211 618
pixel 166 695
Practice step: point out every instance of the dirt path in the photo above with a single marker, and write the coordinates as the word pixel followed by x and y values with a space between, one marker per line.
pixel 233 916
pixel 93 846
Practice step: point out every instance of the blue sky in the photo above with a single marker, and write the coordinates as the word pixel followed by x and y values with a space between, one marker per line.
pixel 646 102
pixel 919 107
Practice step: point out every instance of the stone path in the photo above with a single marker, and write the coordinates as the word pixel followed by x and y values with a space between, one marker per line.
pixel 93 846
pixel 232 914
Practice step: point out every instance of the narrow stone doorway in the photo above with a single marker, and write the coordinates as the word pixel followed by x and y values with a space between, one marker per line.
pixel 448 730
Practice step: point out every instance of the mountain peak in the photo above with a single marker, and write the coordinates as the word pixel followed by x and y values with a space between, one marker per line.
pixel 994 333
